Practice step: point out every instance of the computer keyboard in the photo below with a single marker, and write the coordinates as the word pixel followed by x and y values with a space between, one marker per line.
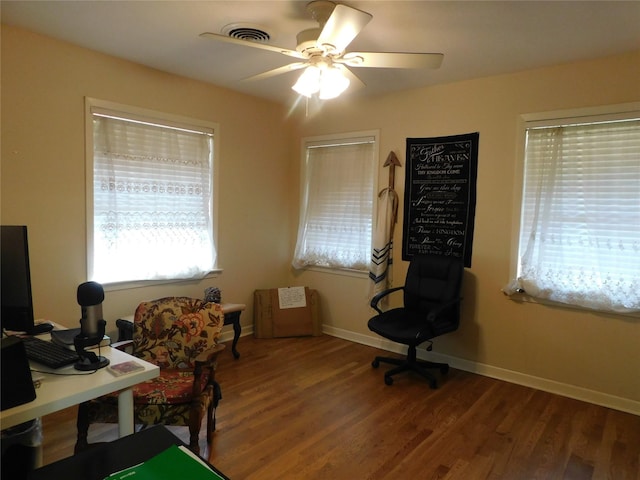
pixel 47 353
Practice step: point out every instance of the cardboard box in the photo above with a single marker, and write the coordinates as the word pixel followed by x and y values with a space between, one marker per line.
pixel 278 312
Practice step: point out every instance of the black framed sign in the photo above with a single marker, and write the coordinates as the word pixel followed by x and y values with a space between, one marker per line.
pixel 440 196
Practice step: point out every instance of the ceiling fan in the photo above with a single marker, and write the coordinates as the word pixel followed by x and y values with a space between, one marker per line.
pixel 321 52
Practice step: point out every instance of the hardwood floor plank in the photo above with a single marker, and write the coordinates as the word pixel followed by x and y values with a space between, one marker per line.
pixel 314 408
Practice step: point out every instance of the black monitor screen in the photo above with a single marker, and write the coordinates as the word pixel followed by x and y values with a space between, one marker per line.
pixel 16 301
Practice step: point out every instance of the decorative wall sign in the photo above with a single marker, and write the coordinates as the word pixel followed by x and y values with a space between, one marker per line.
pixel 440 196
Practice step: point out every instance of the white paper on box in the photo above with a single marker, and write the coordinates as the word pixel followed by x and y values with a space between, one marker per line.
pixel 292 297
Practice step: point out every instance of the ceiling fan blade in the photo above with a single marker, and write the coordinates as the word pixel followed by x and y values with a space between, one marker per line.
pixel 354 81
pixel 277 71
pixel 249 43
pixel 392 60
pixel 342 27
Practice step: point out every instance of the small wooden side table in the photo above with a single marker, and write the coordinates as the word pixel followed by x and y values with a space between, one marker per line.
pixel 232 313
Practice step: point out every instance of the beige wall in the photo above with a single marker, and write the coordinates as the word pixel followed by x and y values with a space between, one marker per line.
pixel 529 343
pixel 44 83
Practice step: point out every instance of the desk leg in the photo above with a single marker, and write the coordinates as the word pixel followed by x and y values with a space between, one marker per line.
pixel 125 412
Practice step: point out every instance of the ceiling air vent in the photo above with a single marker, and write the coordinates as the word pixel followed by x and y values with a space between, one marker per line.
pixel 246 31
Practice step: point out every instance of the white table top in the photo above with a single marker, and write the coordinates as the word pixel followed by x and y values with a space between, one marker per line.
pixel 68 387
pixel 232 307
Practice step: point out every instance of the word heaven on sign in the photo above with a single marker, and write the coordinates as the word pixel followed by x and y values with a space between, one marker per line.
pixel 440 196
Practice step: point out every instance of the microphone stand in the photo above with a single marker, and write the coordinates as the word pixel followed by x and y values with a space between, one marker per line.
pixel 89 360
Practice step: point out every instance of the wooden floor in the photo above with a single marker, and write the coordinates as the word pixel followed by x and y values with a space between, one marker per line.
pixel 314 408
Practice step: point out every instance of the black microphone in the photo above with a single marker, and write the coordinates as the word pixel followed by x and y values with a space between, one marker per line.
pixel 90 297
pixel 92 325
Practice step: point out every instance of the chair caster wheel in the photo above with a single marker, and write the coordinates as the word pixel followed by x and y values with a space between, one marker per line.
pixel 388 380
pixel 375 364
pixel 444 369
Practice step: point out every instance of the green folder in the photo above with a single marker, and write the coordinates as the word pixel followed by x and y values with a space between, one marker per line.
pixel 172 464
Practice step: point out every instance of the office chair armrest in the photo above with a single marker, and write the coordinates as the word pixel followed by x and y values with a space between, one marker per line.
pixel 433 314
pixel 376 299
pixel 125 329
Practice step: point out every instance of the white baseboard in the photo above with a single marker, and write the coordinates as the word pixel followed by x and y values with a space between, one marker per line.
pixel 566 390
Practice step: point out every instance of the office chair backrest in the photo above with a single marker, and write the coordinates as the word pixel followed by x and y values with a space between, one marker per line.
pixel 432 280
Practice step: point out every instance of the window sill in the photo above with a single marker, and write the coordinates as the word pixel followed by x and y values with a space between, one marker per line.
pixel 338 271
pixel 523 297
pixel 110 287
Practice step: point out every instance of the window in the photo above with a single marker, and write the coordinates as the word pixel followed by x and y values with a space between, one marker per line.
pixel 338 181
pixel 150 195
pixel 580 221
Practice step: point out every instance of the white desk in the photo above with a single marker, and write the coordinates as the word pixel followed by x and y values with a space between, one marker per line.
pixel 57 392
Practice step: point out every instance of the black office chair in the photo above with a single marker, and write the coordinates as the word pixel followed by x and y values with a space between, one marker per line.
pixel 431 308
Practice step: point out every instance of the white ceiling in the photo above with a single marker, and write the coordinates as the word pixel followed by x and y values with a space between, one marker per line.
pixel 477 38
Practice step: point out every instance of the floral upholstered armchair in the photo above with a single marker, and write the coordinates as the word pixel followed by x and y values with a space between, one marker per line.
pixel 179 334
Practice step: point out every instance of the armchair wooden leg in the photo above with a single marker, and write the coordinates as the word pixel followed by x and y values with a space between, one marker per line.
pixel 194 431
pixel 196 414
pixel 211 414
pixel 211 422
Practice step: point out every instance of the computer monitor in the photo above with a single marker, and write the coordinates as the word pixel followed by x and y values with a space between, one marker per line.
pixel 16 302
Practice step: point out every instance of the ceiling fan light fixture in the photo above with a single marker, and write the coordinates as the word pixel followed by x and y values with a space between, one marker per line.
pixel 332 83
pixel 308 82
pixel 326 80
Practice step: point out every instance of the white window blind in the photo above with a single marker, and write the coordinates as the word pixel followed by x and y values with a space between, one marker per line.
pixel 337 204
pixel 152 199
pixel 580 221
